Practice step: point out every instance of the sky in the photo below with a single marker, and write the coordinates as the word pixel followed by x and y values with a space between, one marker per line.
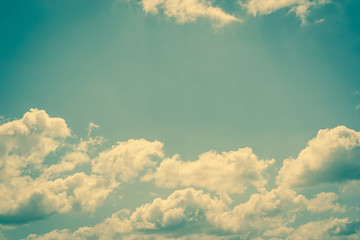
pixel 179 119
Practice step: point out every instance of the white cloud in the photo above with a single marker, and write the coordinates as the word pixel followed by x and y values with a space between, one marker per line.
pixel 321 20
pixel 88 145
pixel 91 127
pixel 67 164
pixel 125 160
pixel 27 141
pixel 299 7
pixel 39 180
pixel 332 229
pixel 182 206
pixel 324 202
pixel 188 10
pixel 230 172
pixel 31 188
pixel 332 156
pixel 188 206
pixel 266 214
pixel 271 212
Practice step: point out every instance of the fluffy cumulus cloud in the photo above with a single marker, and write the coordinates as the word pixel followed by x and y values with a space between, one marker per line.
pixel 42 173
pixel 333 156
pixel 189 210
pixel 335 229
pixel 182 208
pixel 32 188
pixel 230 172
pixel 299 7
pixel 188 10
pixel 27 141
pixel 125 160
pixel 271 213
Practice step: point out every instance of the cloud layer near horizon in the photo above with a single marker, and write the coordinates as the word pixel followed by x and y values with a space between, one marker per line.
pixel 42 174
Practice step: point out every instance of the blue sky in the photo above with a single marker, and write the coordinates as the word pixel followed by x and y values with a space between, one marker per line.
pixel 189 77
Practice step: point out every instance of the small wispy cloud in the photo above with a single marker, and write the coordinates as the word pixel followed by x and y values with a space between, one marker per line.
pixel 320 20
pixel 91 127
pixel 300 7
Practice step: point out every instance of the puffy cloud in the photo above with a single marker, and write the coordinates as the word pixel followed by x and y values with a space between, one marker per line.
pixel 125 160
pixel 323 202
pixel 332 156
pixel 188 10
pixel 333 229
pixel 88 145
pixel 266 214
pixel 270 212
pixel 39 180
pixel 33 187
pixel 188 206
pixel 66 235
pixel 27 141
pixel 182 206
pixel 67 164
pixel 24 199
pixel 299 7
pixel 230 172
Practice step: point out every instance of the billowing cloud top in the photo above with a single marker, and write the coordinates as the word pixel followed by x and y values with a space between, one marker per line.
pixel 217 196
pixel 332 156
pixel 229 172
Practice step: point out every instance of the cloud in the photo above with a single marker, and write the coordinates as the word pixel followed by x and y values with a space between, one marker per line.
pixel 188 10
pixel 181 208
pixel 327 229
pixel 27 141
pixel 321 20
pixel 324 202
pixel 189 211
pixel 91 127
pixel 42 174
pixel 333 156
pixel 299 7
pixel 230 172
pixel 33 188
pixel 270 212
pixel 125 160
pixel 67 164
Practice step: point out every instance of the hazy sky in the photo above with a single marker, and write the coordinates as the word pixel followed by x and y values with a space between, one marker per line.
pixel 179 119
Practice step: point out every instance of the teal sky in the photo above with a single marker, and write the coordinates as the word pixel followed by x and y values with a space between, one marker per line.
pixel 269 83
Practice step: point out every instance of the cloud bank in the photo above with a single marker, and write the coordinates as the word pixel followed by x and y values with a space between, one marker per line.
pixel 218 196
